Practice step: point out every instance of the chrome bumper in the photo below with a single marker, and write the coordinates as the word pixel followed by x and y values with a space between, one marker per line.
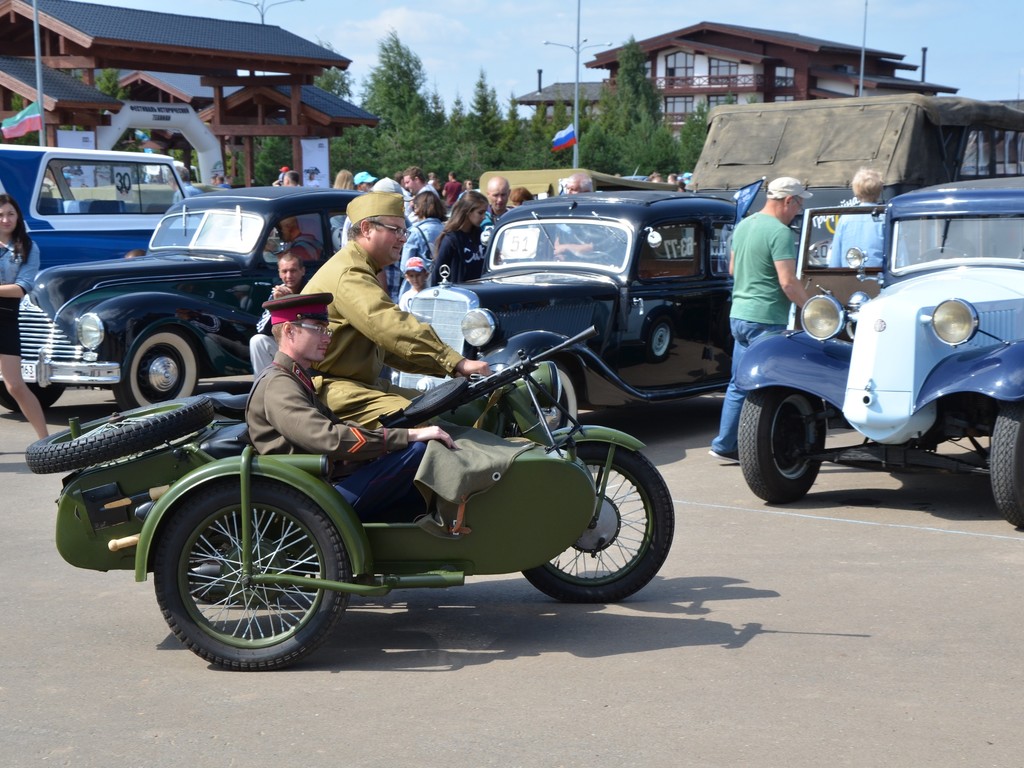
pixel 46 372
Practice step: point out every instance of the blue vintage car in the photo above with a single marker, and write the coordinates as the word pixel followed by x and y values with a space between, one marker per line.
pixel 149 328
pixel 936 359
pixel 650 270
pixel 85 205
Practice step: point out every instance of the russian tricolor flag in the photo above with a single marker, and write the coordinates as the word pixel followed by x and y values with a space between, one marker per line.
pixel 564 139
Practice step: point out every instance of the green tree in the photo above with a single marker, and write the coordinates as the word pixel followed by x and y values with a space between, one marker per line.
pixel 333 79
pixel 692 136
pixel 631 136
pixel 107 82
pixel 485 122
pixel 271 152
pixel 394 89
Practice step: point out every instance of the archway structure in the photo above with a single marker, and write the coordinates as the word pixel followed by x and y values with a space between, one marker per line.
pixel 227 55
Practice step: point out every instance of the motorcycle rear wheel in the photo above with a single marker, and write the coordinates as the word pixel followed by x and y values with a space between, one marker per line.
pixel 628 541
pixel 208 602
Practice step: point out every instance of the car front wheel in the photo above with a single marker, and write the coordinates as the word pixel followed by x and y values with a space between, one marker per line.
pixel 1006 473
pixel 163 367
pixel 779 429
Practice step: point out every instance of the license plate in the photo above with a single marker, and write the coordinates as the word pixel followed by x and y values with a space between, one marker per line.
pixel 28 371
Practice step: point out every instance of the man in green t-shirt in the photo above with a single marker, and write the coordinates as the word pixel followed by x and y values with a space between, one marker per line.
pixel 763 265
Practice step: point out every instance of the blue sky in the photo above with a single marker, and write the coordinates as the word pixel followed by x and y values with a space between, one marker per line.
pixel 974 46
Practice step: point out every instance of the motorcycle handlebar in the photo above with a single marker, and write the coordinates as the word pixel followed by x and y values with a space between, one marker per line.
pixel 435 402
pixel 525 364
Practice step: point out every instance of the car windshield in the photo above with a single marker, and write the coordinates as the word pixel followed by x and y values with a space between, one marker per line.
pixel 924 243
pixel 224 231
pixel 604 245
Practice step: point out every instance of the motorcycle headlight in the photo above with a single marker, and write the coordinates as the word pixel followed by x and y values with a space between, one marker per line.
pixel 955 322
pixel 90 330
pixel 822 317
pixel 478 327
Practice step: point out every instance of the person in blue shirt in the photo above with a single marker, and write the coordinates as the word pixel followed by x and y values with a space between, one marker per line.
pixel 863 231
pixel 19 263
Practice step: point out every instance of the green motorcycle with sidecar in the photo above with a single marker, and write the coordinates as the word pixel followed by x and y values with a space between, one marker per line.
pixel 254 558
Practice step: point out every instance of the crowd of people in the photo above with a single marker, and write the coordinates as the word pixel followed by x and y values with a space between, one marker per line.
pixel 444 224
pixel 324 346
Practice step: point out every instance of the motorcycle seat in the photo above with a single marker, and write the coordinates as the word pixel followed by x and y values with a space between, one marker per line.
pixel 227 441
pixel 228 405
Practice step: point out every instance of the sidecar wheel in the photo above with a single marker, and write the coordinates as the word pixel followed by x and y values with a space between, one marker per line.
pixel 205 598
pixel 626 544
pixel 119 435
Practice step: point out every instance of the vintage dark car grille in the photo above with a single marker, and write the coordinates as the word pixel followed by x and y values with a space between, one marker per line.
pixel 444 312
pixel 38 333
pixel 565 318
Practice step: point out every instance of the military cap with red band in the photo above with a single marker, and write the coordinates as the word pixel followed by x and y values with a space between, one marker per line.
pixel 303 306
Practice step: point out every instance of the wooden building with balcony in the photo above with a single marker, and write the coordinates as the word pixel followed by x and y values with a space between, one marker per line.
pixel 712 64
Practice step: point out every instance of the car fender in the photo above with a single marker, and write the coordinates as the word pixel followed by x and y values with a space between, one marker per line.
pixel 997 372
pixel 529 342
pixel 790 359
pixel 135 313
pixel 285 469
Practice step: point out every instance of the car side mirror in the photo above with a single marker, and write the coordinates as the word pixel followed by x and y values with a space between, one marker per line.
pixel 654 239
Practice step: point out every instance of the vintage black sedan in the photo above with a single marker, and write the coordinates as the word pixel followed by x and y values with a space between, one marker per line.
pixel 150 327
pixel 650 270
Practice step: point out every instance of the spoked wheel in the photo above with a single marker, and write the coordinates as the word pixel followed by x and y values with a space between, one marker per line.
pixel 1006 472
pixel 779 428
pixel 226 618
pixel 119 435
pixel 627 541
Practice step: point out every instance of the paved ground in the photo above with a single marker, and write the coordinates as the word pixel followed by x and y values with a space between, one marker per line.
pixel 872 624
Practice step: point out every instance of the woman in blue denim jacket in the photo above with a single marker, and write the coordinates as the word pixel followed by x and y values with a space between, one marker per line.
pixel 19 263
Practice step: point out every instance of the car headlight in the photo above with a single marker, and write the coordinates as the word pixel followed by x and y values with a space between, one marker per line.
pixel 854 257
pixel 822 317
pixel 90 330
pixel 955 322
pixel 478 327
pixel 857 300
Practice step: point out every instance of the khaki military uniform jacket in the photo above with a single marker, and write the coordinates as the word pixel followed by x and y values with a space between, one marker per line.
pixel 370 331
pixel 285 416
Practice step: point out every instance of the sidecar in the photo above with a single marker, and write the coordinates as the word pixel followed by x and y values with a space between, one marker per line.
pixel 254 557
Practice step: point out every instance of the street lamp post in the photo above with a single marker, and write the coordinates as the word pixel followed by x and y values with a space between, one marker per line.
pixel 863 48
pixel 262 6
pixel 39 74
pixel 576 90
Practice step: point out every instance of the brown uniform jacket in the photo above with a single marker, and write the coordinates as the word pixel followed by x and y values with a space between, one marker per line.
pixel 370 331
pixel 284 416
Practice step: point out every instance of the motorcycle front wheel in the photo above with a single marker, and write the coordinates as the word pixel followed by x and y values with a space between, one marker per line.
pixel 627 541
pixel 215 610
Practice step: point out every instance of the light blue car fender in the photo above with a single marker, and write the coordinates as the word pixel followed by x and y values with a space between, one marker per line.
pixel 795 360
pixel 286 469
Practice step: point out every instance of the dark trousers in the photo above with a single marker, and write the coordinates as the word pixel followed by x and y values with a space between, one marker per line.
pixel 382 491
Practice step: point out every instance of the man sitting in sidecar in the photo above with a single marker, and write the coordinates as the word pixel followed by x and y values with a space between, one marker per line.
pixel 284 415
